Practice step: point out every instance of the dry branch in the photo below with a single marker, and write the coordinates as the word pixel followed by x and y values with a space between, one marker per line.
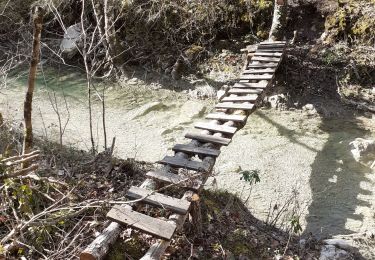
pixel 21 172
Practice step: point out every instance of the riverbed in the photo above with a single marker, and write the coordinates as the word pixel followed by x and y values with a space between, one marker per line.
pixel 303 160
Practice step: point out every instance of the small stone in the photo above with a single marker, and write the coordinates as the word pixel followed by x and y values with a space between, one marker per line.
pixel 308 107
pixel 132 81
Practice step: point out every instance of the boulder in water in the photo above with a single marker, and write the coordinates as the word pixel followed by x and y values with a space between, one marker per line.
pixel 72 36
pixel 362 148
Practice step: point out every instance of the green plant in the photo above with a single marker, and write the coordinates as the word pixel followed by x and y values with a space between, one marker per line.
pixel 251 176
pixel 295 224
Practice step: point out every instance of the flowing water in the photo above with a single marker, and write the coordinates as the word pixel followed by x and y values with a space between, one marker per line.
pixel 304 162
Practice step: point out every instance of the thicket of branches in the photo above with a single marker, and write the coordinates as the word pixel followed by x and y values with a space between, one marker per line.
pixel 154 34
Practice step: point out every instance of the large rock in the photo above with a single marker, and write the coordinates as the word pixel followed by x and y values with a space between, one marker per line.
pixel 362 149
pixel 330 252
pixel 72 37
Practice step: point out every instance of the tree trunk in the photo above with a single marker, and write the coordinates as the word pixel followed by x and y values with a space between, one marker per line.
pixel 115 48
pixel 37 17
pixel 279 20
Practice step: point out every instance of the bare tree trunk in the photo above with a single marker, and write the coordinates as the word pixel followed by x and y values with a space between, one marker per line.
pixel 37 17
pixel 279 20
pixel 115 48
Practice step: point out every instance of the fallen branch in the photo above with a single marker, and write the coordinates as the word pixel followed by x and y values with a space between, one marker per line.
pixel 18 157
pixel 25 159
pixel 20 172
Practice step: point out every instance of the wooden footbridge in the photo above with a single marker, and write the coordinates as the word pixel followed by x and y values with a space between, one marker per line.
pixel 192 163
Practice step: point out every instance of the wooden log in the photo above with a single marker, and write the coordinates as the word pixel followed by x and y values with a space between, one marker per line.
pixel 100 246
pixel 196 215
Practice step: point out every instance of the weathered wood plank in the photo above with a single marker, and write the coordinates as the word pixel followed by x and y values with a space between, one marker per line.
pixel 172 178
pixel 272 43
pixel 269 54
pixel 272 50
pixel 259 85
pixel 256 77
pixel 248 98
pixel 262 65
pixel 178 162
pixel 226 117
pixel 196 150
pixel 267 59
pixel 216 128
pixel 208 139
pixel 235 106
pixel 244 91
pixel 259 71
pixel 159 200
pixel 147 224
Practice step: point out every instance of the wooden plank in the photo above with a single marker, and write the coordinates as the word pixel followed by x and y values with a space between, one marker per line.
pixel 159 200
pixel 244 91
pixel 262 65
pixel 271 46
pixel 185 164
pixel 235 106
pixel 216 128
pixel 269 54
pixel 196 150
pixel 272 50
pixel 259 85
pixel 259 71
pixel 269 59
pixel 208 138
pixel 272 43
pixel 248 98
pixel 226 117
pixel 171 178
pixel 147 224
pixel 256 77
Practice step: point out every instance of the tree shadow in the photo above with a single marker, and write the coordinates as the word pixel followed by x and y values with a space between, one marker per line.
pixel 335 182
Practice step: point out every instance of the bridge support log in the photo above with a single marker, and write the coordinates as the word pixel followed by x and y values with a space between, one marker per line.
pixel 196 215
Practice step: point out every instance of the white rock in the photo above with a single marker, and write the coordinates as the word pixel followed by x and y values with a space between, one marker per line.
pixel 340 243
pixel 71 38
pixel 132 81
pixel 308 107
pixel 275 100
pixel 361 148
pixel 330 252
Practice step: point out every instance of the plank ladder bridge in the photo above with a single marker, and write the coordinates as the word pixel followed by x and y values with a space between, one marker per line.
pixel 192 163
